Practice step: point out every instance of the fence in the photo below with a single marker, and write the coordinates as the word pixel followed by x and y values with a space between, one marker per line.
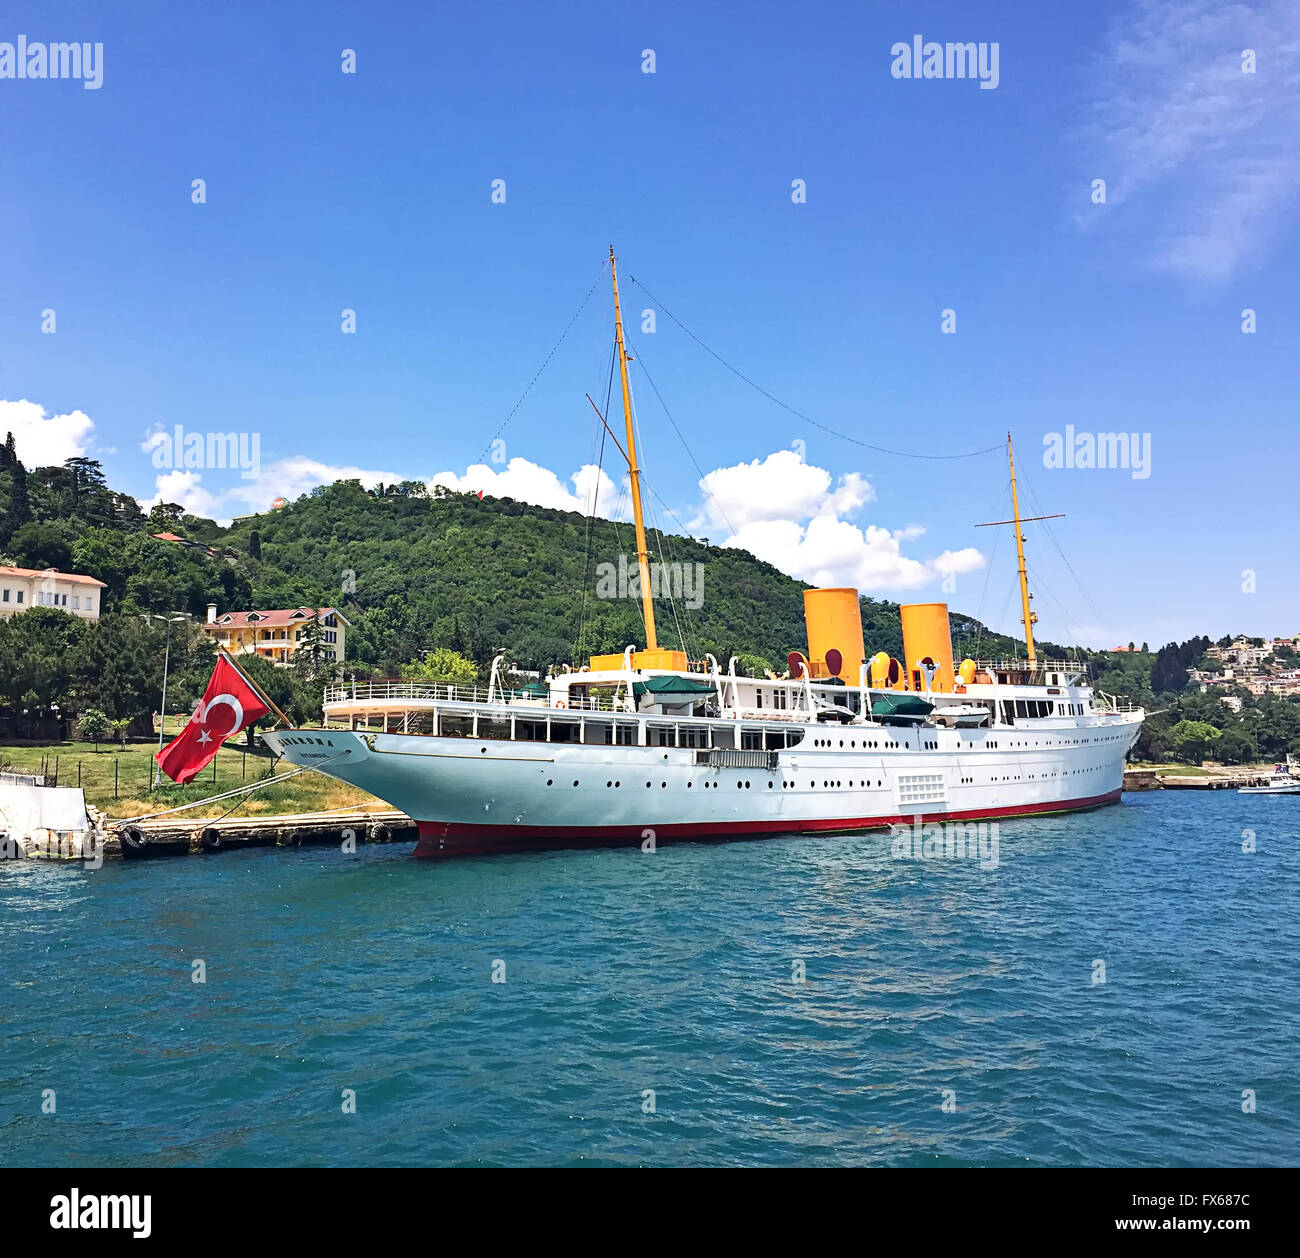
pixel 130 775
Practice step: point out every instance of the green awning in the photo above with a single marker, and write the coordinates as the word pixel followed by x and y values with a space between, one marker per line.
pixel 900 705
pixel 536 690
pixel 681 687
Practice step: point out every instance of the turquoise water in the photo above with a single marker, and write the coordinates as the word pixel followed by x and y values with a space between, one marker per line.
pixel 671 972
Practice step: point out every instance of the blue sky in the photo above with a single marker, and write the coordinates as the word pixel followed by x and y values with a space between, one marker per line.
pixel 372 192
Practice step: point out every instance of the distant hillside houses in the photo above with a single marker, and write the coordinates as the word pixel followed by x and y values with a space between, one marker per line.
pixel 1256 665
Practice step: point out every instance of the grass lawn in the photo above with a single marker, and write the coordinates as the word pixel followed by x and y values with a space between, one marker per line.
pixel 93 769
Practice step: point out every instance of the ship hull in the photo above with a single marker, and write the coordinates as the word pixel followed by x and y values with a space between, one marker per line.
pixel 439 839
pixel 473 797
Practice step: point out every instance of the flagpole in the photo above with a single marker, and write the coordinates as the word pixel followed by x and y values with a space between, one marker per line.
pixel 253 686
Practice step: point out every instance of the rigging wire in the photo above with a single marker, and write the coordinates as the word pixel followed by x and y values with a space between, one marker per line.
pixel 1102 620
pixel 690 454
pixel 591 512
pixel 834 432
pixel 672 602
pixel 545 363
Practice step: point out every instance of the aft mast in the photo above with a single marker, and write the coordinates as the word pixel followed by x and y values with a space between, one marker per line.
pixel 634 472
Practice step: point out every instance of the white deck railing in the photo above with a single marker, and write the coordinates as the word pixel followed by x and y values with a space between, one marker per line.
pixel 426 694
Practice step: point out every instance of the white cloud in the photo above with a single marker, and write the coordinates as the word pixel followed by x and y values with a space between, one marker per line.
pixel 184 488
pixel 45 440
pixel 792 515
pixel 298 474
pixel 1200 155
pixel 779 487
pixel 530 482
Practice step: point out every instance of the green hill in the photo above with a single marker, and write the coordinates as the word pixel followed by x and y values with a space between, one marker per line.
pixel 413 571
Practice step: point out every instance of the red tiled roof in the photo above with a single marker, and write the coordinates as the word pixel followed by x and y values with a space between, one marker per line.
pixel 275 619
pixel 75 577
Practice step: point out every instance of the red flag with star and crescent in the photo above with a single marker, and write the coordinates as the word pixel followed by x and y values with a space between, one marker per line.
pixel 229 704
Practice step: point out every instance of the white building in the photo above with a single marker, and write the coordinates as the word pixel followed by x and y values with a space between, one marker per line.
pixel 21 588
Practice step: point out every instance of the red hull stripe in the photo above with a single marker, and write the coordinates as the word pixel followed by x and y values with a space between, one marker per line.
pixel 449 838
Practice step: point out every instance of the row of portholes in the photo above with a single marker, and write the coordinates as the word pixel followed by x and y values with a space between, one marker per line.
pixel 740 785
pixel 825 784
pixel 867 744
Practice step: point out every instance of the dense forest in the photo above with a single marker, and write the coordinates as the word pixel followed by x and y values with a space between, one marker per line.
pixel 417 573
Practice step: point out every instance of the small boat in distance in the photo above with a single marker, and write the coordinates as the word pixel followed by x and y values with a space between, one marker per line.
pixel 1284 780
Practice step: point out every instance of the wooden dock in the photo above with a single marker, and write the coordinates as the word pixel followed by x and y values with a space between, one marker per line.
pixel 177 836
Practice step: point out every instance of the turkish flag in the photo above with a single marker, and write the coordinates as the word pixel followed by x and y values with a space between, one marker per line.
pixel 229 704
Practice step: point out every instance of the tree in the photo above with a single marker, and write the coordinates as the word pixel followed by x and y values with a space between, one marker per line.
pixel 442 665
pixel 20 511
pixel 42 546
pixel 38 650
pixel 255 545
pixel 749 665
pixel 94 726
pixel 1193 740
pixel 314 664
pixel 165 517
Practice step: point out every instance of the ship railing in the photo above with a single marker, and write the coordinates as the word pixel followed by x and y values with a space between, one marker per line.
pixel 424 693
pixel 1039 668
pixel 1108 704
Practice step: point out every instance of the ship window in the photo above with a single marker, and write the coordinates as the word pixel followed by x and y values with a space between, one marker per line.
pixel 778 699
pixel 661 736
pixel 751 740
pixel 493 729
pixel 564 731
pixel 758 696
pixel 625 734
pixel 693 736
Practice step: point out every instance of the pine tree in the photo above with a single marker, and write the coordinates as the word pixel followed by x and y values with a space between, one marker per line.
pixel 20 511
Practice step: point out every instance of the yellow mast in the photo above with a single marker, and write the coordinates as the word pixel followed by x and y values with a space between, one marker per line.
pixel 642 557
pixel 1028 616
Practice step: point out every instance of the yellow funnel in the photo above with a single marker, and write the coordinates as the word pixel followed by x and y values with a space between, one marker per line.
pixel 926 635
pixel 834 621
